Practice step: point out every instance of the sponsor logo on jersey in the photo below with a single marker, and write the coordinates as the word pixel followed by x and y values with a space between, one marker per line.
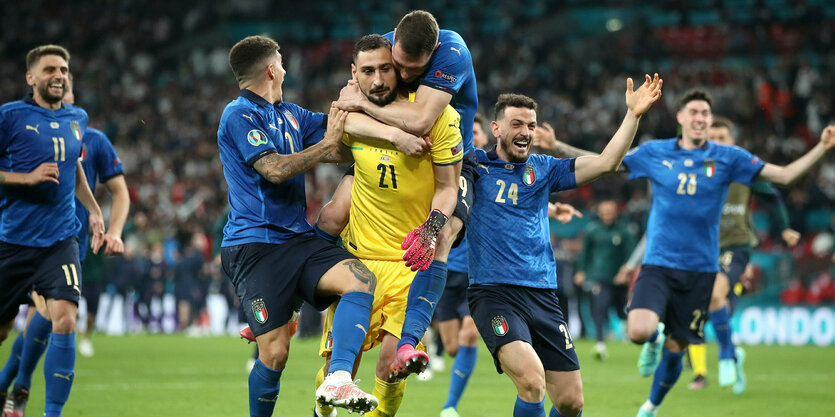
pixel 449 77
pixel 259 310
pixel 457 149
pixel 291 119
pixel 33 128
pixel 710 167
pixel 256 137
pixel 499 325
pixel 688 162
pixel 529 177
pixel 76 130
pixel 456 50
pixel 667 164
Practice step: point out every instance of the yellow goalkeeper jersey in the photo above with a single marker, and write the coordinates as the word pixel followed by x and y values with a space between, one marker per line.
pixel 392 193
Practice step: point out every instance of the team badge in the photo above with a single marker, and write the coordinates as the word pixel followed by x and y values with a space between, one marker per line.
pixel 688 162
pixel 385 159
pixel 499 325
pixel 83 152
pixel 256 137
pixel 509 166
pixel 329 340
pixel 291 119
pixel 710 167
pixel 76 130
pixel 529 177
pixel 54 125
pixel 259 310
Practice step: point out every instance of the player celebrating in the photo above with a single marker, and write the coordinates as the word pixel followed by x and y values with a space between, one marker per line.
pixel 389 197
pixel 512 292
pixel 269 251
pixel 439 65
pixel 40 175
pixel 689 177
pixel 736 239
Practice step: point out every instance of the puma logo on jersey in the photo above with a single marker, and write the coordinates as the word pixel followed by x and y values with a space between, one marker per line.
pixel 272 126
pixel 359 326
pixel 68 376
pixel 667 164
pixel 456 50
pixel 466 205
pixel 248 117
pixel 33 128
pixel 431 304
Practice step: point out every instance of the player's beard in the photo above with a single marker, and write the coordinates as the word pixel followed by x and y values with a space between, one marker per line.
pixel 43 91
pixel 384 100
pixel 513 154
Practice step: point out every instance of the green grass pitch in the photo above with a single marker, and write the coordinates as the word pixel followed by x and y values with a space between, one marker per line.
pixel 180 376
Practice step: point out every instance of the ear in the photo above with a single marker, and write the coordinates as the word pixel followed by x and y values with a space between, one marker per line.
pixel 30 79
pixel 494 127
pixel 679 117
pixel 270 72
pixel 436 46
pixel 354 72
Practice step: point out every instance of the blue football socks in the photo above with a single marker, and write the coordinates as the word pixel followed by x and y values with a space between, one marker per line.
pixel 264 384
pixel 721 320
pixel 350 324
pixel 58 372
pixel 424 293
pixel 9 371
pixel 34 345
pixel 462 368
pixel 523 408
pixel 665 376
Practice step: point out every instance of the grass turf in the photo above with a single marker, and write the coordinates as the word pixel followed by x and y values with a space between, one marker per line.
pixel 181 376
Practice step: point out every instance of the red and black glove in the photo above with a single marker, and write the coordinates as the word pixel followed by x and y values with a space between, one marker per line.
pixel 420 242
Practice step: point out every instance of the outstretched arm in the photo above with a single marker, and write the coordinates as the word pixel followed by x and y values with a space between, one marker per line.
pixel 416 117
pixel 277 168
pixel 588 168
pixel 786 175
pixel 546 140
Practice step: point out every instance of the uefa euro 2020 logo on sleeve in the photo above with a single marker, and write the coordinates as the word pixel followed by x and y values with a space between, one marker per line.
pixel 256 137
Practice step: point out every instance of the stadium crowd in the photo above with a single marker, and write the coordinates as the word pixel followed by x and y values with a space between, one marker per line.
pixel 154 77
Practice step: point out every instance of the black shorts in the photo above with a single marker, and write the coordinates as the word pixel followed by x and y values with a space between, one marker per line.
pixel 272 280
pixel 680 298
pixel 453 302
pixel 506 313
pixel 54 272
pixel 92 293
pixel 466 194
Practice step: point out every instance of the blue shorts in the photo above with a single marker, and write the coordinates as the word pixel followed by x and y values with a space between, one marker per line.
pixel 733 262
pixel 54 272
pixel 272 280
pixel 506 313
pixel 680 298
pixel 453 302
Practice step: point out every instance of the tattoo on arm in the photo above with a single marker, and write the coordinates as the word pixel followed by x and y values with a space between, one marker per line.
pixel 363 274
pixel 277 168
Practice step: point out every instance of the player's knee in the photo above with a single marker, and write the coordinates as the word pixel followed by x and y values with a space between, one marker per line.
pixel 451 348
pixel 638 334
pixel 469 336
pixel 531 386
pixel 570 404
pixel 64 323
pixel 716 302
pixel 363 279
pixel 333 218
pixel 273 355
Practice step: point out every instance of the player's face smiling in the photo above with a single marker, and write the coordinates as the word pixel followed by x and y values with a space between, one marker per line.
pixel 409 68
pixel 278 72
pixel 721 135
pixel 375 74
pixel 515 133
pixel 49 78
pixel 695 118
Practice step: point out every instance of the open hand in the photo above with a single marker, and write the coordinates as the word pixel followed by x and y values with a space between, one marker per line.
pixel 113 245
pixel 96 231
pixel 336 124
pixel 563 212
pixel 350 97
pixel 544 137
pixel 640 100
pixel 411 145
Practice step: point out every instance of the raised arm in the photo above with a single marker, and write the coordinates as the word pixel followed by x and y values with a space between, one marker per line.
pixel 786 175
pixel 546 140
pixel 277 168
pixel 416 117
pixel 362 125
pixel 588 168
pixel 85 196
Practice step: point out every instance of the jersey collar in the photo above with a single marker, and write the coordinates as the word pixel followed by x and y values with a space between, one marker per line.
pixel 30 99
pixel 678 147
pixel 255 98
pixel 492 154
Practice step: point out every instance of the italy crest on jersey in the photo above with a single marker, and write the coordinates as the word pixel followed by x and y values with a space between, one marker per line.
pixel 291 119
pixel 259 310
pixel 329 340
pixel 76 130
pixel 710 167
pixel 529 177
pixel 499 325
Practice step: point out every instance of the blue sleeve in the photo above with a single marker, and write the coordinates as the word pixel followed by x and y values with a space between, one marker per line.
pixel 744 166
pixel 4 135
pixel 107 164
pixel 312 125
pixel 560 174
pixel 451 65
pixel 636 161
pixel 248 135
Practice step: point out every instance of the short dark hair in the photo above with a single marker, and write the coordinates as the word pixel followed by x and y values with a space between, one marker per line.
pixel 34 55
pixel 249 55
pixel 370 43
pixel 695 94
pixel 719 121
pixel 417 33
pixel 513 100
pixel 479 118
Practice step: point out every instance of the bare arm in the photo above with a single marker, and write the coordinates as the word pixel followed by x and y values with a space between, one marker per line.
pixel 362 125
pixel 277 168
pixel 588 168
pixel 446 187
pixel 546 139
pixel 118 215
pixel 786 175
pixel 85 196
pixel 47 171
pixel 416 117
pixel 341 154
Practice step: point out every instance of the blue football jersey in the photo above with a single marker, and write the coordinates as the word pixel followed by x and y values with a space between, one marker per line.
pixel 451 70
pixel 509 237
pixel 100 163
pixel 688 191
pixel 260 211
pixel 30 135
pixel 457 260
